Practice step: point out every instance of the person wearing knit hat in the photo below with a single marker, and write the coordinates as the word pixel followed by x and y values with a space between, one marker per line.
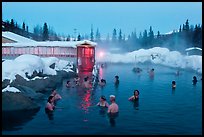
pixel 113 108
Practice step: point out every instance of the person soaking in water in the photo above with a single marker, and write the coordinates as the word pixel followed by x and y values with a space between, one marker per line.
pixel 50 104
pixel 135 95
pixel 68 85
pixel 56 96
pixel 102 82
pixel 173 84
pixel 151 73
pixel 86 83
pixel 194 80
pixel 116 80
pixel 113 108
pixel 103 102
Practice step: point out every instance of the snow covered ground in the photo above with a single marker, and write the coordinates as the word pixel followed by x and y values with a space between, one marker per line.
pixel 156 55
pixel 29 63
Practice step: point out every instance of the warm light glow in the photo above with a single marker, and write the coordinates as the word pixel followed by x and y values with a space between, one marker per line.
pixel 101 54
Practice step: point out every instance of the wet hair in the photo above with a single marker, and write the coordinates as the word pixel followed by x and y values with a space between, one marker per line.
pixel 117 77
pixel 103 97
pixel 136 91
pixel 152 69
pixel 86 79
pixel 194 77
pixel 103 80
pixel 174 82
pixel 68 81
pixel 49 99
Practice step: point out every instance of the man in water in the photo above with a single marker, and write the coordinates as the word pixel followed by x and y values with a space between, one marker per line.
pixel 116 80
pixel 194 80
pixel 151 73
pixel 113 108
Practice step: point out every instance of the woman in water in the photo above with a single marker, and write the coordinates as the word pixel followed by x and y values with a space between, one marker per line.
pixel 173 84
pixel 135 95
pixel 50 104
pixel 102 82
pixel 103 102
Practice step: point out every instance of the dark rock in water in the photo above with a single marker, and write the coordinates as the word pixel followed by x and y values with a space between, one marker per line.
pixel 5 83
pixel 52 66
pixel 17 101
pixel 29 92
pixel 13 120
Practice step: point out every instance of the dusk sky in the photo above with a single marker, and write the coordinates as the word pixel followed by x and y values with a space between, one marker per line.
pixel 127 16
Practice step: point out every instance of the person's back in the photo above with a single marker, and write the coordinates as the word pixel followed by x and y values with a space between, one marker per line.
pixel 113 108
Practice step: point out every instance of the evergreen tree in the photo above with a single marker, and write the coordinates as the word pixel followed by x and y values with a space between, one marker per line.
pixel 12 23
pixel 158 34
pixel 187 25
pixel 120 36
pixel 180 29
pixel 26 28
pixel 183 29
pixel 114 37
pixel 98 36
pixel 145 40
pixel 140 36
pixel 68 38
pixel 151 36
pixel 23 26
pixel 79 37
pixel 129 37
pixel 16 25
pixel 124 37
pixel 45 32
pixel 92 34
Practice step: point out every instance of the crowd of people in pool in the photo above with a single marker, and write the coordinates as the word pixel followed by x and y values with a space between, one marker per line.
pixel 113 107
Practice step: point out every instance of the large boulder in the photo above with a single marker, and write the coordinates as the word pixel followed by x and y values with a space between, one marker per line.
pixel 17 101
pixel 43 85
pixel 5 83
pixel 29 92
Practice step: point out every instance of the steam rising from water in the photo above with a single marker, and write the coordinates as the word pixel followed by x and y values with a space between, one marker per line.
pixel 156 55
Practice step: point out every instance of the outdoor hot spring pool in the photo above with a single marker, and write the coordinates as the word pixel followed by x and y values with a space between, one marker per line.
pixel 160 110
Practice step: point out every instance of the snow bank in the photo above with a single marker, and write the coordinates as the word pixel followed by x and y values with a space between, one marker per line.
pixel 29 63
pixel 10 89
pixel 156 55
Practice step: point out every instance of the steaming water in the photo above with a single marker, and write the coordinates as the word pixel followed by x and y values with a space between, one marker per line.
pixel 160 109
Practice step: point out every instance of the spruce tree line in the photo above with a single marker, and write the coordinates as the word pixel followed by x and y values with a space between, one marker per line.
pixel 186 36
